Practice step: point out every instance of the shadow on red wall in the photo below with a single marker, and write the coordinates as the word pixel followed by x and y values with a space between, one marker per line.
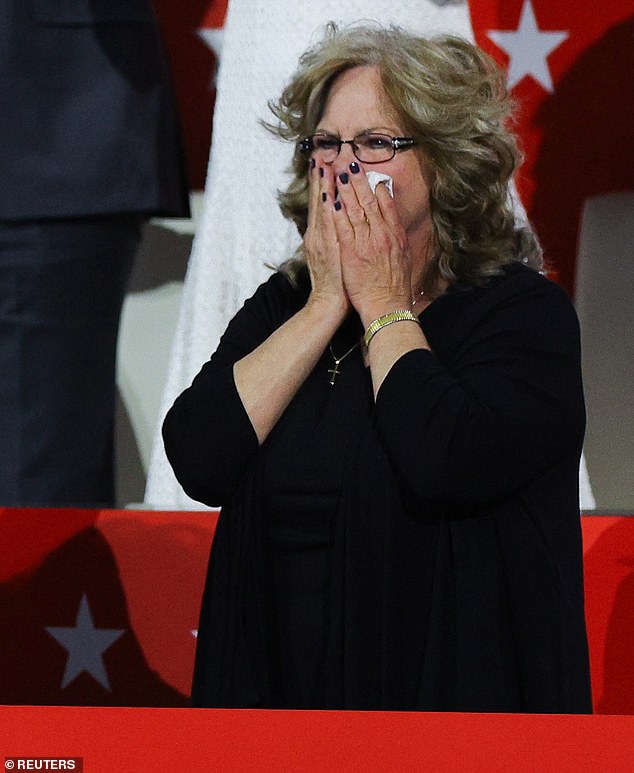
pixel 587 149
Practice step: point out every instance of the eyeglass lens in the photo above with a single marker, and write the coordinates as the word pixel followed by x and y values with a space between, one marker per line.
pixel 368 148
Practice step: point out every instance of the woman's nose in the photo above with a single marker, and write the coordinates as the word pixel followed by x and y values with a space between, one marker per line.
pixel 345 157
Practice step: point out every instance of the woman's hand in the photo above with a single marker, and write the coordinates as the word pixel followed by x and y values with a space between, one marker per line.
pixel 268 377
pixel 321 247
pixel 375 261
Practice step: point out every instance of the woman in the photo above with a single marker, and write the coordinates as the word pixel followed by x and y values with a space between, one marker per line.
pixel 393 423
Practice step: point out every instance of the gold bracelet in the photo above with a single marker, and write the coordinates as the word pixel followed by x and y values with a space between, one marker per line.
pixel 401 315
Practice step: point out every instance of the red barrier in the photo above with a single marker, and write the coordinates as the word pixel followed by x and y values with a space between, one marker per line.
pixel 101 607
pixel 144 740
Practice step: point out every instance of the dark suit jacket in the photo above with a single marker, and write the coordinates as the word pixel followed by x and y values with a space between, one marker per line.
pixel 88 123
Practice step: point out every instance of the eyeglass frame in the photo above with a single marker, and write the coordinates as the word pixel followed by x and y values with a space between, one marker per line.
pixel 306 146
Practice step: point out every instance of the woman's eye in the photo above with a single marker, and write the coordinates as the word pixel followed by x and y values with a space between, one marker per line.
pixel 326 143
pixel 375 141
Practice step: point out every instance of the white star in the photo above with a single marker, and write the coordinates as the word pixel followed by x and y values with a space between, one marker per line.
pixel 85 645
pixel 528 47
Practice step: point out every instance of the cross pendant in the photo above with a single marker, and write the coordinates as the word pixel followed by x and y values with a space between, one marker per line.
pixel 335 372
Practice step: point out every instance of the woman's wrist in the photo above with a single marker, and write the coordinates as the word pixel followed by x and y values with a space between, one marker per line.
pixel 392 317
pixel 327 306
pixel 373 311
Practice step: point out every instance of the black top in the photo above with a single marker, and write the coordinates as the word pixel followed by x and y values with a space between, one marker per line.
pixel 420 552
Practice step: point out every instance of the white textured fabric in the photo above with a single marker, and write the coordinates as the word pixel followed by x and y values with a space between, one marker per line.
pixel 241 229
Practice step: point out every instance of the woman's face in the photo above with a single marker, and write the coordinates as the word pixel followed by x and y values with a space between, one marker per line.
pixel 356 104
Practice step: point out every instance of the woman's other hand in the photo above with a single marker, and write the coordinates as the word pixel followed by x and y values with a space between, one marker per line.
pixel 375 261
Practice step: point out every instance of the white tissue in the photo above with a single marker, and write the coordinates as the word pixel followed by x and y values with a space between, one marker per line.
pixel 374 178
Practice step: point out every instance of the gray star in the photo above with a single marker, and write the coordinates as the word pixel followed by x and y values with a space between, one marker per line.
pixel 85 645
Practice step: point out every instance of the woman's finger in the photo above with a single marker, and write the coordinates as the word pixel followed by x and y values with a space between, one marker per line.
pixel 326 204
pixel 344 228
pixel 354 211
pixel 387 206
pixel 366 198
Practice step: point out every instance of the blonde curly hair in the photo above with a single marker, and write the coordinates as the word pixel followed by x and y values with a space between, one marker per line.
pixel 451 98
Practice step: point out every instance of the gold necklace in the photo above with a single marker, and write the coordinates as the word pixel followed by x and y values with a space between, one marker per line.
pixel 334 372
pixel 416 298
pixel 338 360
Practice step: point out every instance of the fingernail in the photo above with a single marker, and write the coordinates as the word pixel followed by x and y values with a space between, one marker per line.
pixel 312 163
pixel 324 196
pixel 321 171
pixel 343 177
pixel 354 167
pixel 337 205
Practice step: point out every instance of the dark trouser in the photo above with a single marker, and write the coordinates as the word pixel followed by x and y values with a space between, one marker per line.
pixel 62 284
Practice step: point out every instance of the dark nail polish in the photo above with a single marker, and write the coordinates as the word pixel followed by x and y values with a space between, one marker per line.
pixel 354 167
pixel 312 163
pixel 337 205
pixel 324 196
pixel 321 171
pixel 343 177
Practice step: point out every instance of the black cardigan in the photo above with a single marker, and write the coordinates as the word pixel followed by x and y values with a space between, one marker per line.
pixel 457 578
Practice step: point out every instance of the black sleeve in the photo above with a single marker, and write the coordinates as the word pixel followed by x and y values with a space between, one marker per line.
pixel 479 425
pixel 207 433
